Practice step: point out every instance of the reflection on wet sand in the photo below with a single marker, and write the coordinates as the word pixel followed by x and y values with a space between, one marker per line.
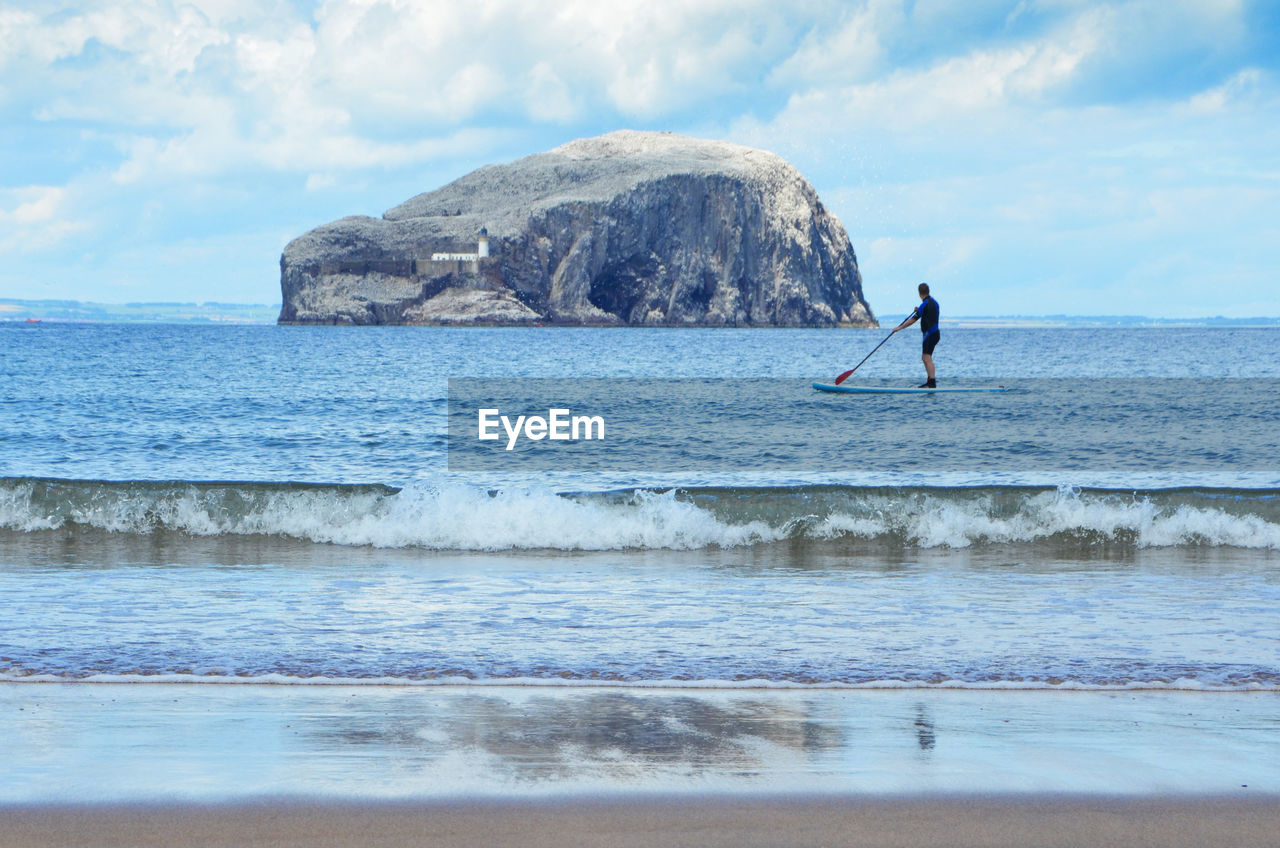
pixel 925 737
pixel 210 742
pixel 618 734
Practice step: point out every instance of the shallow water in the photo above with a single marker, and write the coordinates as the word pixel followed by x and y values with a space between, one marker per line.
pixel 785 614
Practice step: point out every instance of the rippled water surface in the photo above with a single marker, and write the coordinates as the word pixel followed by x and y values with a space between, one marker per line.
pixel 273 505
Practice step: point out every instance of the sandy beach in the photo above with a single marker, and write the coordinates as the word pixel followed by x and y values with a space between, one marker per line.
pixel 715 821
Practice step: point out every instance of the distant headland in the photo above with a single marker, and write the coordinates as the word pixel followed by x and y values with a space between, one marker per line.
pixel 20 311
pixel 629 228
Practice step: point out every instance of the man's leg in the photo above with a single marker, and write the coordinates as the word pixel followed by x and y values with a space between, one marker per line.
pixel 926 356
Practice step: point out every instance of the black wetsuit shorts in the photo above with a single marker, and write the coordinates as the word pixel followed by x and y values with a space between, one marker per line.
pixel 928 312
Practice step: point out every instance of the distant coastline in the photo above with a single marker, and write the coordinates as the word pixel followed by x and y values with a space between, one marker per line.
pixel 994 321
pixel 20 311
pixel 14 310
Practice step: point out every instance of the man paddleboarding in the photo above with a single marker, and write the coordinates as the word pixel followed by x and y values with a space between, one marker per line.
pixel 927 314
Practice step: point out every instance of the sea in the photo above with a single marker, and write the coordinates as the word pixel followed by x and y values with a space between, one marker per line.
pixel 256 559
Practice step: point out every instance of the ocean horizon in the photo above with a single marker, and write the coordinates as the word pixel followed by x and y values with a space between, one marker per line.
pixel 185 312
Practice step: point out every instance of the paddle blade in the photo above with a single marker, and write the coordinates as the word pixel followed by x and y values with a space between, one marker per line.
pixel 844 376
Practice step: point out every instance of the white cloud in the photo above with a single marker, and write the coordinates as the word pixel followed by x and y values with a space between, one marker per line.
pixel 163 37
pixel 35 218
pixel 427 67
pixel 1243 87
pixel 996 171
pixel 963 88
pixel 192 89
pixel 549 97
pixel 37 204
pixel 209 150
pixel 217 84
pixel 318 182
pixel 846 50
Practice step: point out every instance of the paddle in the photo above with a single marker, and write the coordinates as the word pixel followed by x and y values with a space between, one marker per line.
pixel 846 374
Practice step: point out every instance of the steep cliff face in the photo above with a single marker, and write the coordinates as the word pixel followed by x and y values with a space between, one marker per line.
pixel 627 228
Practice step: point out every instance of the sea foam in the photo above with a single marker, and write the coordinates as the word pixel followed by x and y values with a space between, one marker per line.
pixel 450 515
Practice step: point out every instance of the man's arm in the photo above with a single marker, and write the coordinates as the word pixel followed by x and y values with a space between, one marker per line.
pixel 911 319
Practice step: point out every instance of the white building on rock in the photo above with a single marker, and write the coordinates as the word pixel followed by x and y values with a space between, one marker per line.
pixel 482 251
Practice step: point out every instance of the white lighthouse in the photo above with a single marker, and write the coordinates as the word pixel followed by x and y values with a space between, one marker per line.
pixel 482 246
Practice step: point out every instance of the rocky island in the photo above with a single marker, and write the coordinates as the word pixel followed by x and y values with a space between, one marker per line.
pixel 629 228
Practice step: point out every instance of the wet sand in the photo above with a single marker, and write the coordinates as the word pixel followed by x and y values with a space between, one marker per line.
pixel 69 743
pixel 686 821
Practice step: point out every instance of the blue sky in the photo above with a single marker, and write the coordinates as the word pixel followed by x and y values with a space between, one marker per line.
pixel 1023 156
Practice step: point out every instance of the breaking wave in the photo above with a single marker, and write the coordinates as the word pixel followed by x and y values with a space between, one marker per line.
pixel 455 516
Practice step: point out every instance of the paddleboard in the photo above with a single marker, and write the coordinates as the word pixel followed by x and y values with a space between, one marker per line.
pixel 889 390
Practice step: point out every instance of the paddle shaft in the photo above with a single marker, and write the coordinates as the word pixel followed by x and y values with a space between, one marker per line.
pixel 846 374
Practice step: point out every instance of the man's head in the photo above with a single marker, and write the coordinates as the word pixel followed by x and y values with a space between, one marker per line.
pixel 924 290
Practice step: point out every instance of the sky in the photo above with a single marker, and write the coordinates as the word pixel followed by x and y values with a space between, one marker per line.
pixel 1024 157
